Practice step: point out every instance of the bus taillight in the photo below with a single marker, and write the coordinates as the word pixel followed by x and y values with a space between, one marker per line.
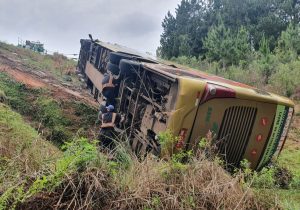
pixel 217 91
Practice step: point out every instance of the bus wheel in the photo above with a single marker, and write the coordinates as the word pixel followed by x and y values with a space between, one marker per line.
pixel 128 66
pixel 115 57
pixel 113 68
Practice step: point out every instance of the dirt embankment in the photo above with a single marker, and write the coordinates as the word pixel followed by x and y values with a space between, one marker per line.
pixel 22 77
pixel 42 79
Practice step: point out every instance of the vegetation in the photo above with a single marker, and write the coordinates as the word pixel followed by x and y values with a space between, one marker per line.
pixel 258 47
pixel 56 65
pixel 23 152
pixel 185 33
pixel 82 177
pixel 58 120
pixel 253 42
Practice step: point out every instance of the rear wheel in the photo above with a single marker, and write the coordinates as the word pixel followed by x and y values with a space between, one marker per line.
pixel 127 67
pixel 113 68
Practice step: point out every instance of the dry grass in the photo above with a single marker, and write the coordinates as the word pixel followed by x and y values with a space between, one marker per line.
pixel 150 184
pixel 88 190
pixel 123 183
pixel 200 184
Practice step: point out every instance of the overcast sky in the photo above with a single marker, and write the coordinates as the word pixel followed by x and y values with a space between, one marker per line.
pixel 60 24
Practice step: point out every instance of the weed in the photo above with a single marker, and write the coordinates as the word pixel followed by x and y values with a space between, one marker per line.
pixel 203 143
pixel 22 152
pixel 264 179
pixel 283 177
pixel 78 155
pixel 49 112
pixel 87 113
pixel 167 141
pixel 16 94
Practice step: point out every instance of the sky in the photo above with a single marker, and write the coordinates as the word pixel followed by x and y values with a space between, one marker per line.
pixel 60 24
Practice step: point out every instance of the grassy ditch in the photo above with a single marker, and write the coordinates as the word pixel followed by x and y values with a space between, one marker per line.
pixel 56 119
pixel 84 178
pixel 22 150
pixel 36 175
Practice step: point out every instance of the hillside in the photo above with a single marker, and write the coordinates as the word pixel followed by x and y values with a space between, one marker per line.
pixel 49 159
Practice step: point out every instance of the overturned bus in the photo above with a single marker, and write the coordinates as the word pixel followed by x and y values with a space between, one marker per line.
pixel 247 123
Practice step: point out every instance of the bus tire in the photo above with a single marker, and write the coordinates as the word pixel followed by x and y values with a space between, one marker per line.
pixel 113 68
pixel 129 66
pixel 115 57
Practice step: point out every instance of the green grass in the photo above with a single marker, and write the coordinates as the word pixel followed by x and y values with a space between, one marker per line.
pixel 43 110
pixel 87 114
pixel 290 159
pixel 60 120
pixel 22 150
pixel 17 94
pixel 30 165
pixel 290 198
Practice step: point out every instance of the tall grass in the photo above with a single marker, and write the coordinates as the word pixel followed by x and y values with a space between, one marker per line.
pixel 22 151
pixel 85 178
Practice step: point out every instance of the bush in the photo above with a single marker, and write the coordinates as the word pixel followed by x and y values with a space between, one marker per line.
pixel 265 178
pixel 78 156
pixel 286 79
pixel 87 113
pixel 167 141
pixel 49 112
pixel 59 134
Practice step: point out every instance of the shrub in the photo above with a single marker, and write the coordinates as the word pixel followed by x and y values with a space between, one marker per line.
pixel 49 112
pixel 87 113
pixel 78 156
pixel 265 178
pixel 167 141
pixel 286 79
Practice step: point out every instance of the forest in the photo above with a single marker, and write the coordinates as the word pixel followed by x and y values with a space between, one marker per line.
pixel 252 41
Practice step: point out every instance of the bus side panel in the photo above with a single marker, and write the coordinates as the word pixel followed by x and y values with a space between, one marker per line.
pixel 94 75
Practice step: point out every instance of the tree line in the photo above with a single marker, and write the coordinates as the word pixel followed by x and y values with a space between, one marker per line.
pixel 185 33
pixel 243 34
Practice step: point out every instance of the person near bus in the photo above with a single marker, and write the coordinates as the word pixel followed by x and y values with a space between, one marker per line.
pixel 108 88
pixel 109 121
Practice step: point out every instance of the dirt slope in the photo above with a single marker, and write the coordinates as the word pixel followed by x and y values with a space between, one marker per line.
pixel 39 79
